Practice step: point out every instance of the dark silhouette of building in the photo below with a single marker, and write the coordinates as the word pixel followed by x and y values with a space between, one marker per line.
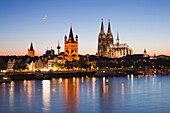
pixel 49 52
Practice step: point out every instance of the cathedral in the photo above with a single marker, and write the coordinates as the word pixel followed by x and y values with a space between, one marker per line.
pixel 71 47
pixel 107 47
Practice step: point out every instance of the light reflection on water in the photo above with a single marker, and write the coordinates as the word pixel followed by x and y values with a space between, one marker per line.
pixel 46 94
pixel 74 95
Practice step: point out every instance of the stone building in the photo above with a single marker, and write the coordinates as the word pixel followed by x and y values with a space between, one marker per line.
pixel 31 51
pixel 71 47
pixel 39 64
pixel 106 46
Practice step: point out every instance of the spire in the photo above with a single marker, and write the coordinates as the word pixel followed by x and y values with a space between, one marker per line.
pixel 144 50
pixel 102 28
pixel 71 35
pixel 71 32
pixel 31 47
pixel 117 40
pixel 109 28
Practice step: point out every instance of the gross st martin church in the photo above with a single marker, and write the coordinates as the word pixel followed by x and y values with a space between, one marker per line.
pixel 106 46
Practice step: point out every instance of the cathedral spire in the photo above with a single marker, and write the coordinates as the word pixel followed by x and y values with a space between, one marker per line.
pixel 109 28
pixel 117 40
pixel 102 28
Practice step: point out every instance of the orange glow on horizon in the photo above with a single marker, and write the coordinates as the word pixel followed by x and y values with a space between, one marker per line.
pixel 40 54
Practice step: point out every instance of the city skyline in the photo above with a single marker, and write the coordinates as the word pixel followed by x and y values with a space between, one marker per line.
pixel 142 24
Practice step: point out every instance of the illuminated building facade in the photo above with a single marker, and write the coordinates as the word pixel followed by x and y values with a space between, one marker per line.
pixel 107 48
pixel 31 51
pixel 10 64
pixel 71 47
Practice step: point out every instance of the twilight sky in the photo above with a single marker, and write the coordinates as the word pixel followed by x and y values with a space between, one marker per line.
pixel 140 23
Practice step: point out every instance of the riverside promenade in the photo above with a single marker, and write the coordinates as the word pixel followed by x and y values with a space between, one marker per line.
pixel 67 74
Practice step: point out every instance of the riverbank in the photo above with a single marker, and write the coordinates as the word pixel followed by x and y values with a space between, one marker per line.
pixel 32 76
pixel 67 74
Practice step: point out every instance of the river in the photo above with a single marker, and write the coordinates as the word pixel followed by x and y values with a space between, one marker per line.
pixel 131 94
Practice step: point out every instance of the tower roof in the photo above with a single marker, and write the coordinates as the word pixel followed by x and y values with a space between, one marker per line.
pixel 102 28
pixel 71 35
pixel 144 50
pixel 76 36
pixel 71 32
pixel 31 47
pixel 117 36
pixel 109 28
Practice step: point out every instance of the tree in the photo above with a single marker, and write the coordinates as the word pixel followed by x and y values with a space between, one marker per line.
pixel 3 65
pixel 69 65
pixel 82 64
pixel 19 65
pixel 57 65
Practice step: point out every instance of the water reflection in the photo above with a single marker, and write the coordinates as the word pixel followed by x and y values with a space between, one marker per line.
pixel 29 93
pixel 123 91
pixel 88 88
pixel 104 86
pixel 85 94
pixel 71 95
pixel 46 95
pixel 11 95
pixel 132 83
pixel 93 86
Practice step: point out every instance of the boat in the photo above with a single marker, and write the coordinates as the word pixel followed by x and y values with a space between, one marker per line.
pixel 5 79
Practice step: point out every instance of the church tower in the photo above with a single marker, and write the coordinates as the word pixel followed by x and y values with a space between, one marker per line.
pixel 117 40
pixel 71 47
pixel 102 42
pixel 109 35
pixel 31 51
pixel 109 39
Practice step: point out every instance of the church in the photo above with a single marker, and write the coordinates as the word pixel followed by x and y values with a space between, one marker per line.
pixel 31 51
pixel 71 47
pixel 107 47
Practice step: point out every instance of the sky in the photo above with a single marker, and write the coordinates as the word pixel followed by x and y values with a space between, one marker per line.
pixel 142 24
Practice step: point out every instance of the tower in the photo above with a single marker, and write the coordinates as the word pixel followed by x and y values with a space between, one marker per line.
pixel 31 51
pixel 145 53
pixel 58 47
pixel 105 41
pixel 109 39
pixel 109 35
pixel 102 42
pixel 117 40
pixel 71 47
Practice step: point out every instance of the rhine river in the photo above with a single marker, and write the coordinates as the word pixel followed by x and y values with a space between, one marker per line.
pixel 131 94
